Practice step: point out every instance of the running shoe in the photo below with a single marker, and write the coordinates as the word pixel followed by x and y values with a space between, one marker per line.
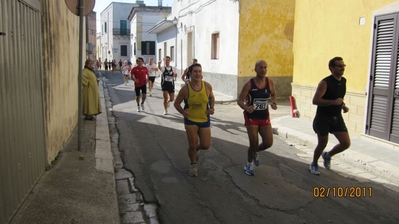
pixel 327 160
pixel 165 112
pixel 150 93
pixel 249 169
pixel 256 159
pixel 142 106
pixel 193 170
pixel 138 108
pixel 314 169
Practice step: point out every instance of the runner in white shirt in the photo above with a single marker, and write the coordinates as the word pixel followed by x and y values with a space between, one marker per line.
pixel 152 73
pixel 125 71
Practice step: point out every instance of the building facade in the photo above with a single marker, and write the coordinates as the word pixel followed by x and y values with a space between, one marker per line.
pixel 143 18
pixel 266 30
pixel 228 43
pixel 115 31
pixel 194 30
pixel 91 35
pixel 365 35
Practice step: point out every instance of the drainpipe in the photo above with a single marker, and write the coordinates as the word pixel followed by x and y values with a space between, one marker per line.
pixel 181 49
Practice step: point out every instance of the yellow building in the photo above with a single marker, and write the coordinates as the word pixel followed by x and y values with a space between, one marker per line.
pixel 365 34
pixel 266 32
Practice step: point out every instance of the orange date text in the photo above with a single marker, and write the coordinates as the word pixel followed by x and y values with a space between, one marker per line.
pixel 342 192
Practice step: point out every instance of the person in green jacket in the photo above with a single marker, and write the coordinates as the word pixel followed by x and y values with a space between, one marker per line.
pixel 90 96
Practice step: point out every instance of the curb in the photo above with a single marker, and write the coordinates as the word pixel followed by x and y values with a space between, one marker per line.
pixel 132 208
pixel 103 154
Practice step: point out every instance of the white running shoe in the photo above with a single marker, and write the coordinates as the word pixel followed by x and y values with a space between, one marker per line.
pixel 165 112
pixel 314 169
pixel 249 169
pixel 193 170
pixel 142 107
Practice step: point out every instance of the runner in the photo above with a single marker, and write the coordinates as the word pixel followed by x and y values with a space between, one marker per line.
pixel 199 103
pixel 139 75
pixel 167 82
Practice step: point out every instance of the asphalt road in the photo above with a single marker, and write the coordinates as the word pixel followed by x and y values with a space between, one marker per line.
pixel 154 149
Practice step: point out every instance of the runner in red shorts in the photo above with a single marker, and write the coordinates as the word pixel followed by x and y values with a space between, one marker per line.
pixel 254 99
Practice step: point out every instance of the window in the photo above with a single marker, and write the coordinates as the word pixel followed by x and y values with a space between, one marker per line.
pixel 105 27
pixel 159 54
pixel 215 46
pixel 123 27
pixel 147 47
pixel 172 53
pixel 123 50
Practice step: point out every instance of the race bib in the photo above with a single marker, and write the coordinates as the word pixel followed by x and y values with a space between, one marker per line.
pixel 260 103
pixel 169 78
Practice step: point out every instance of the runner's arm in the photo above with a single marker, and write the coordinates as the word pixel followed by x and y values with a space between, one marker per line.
pixel 183 93
pixel 243 95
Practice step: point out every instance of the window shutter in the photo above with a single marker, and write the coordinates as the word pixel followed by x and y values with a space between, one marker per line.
pixel 152 48
pixel 384 68
pixel 394 134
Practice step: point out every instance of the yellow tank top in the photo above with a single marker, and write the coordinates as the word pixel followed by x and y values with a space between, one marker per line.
pixel 197 104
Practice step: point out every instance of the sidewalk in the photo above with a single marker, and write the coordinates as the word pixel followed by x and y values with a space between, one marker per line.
pixel 378 157
pixel 80 185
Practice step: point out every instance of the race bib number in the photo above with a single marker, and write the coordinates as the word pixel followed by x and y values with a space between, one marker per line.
pixel 260 103
pixel 169 78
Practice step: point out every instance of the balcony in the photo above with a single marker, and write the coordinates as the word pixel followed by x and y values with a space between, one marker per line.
pixel 121 32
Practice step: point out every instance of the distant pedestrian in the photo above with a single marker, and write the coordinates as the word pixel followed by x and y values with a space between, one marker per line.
pixel 125 72
pixel 186 74
pixel 139 75
pixel 152 70
pixel 106 64
pixel 90 96
pixel 120 64
pixel 199 103
pixel 254 99
pixel 113 64
pixel 329 98
pixel 167 83
pixel 98 63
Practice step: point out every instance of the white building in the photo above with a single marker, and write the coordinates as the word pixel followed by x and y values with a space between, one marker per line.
pixel 208 31
pixel 142 18
pixel 115 31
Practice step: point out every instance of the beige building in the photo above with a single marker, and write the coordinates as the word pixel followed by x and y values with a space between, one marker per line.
pixel 40 107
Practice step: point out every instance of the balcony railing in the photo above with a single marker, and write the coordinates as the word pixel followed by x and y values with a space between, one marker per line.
pixel 121 32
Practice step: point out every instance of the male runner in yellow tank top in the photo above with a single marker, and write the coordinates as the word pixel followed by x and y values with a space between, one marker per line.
pixel 199 104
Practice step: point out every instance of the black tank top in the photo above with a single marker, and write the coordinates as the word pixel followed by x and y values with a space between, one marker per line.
pixel 167 75
pixel 335 89
pixel 259 98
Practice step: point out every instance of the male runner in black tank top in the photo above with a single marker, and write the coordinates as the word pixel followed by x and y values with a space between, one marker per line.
pixel 256 96
pixel 329 98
